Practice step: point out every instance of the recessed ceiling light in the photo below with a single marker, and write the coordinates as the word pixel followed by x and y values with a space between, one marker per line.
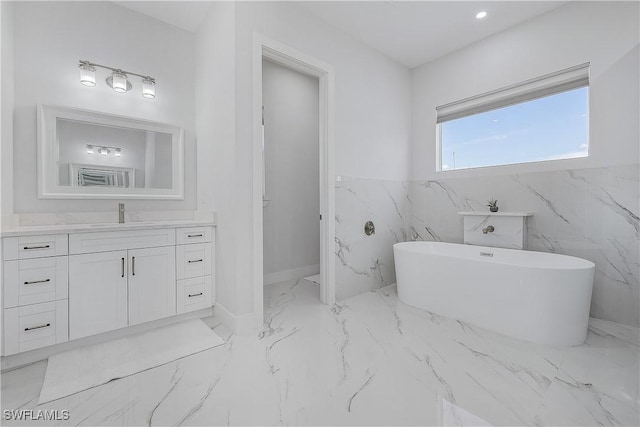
pixel 481 14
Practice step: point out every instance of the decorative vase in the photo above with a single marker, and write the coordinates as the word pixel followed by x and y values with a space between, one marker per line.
pixel 493 208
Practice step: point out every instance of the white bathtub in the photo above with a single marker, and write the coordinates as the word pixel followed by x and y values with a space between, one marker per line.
pixel 533 296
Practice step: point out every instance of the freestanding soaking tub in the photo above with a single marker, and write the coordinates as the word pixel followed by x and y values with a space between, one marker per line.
pixel 533 296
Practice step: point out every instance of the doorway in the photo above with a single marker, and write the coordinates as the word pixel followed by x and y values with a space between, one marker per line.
pixel 282 55
pixel 291 182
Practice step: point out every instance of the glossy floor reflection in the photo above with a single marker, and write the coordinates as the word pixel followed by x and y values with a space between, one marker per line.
pixel 369 360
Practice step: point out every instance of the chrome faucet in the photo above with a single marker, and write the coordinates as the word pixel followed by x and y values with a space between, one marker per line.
pixel 489 229
pixel 121 213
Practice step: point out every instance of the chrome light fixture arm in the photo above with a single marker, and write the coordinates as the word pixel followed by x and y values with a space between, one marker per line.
pixel 116 70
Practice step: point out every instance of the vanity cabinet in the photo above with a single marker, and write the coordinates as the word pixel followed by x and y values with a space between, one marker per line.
pixel 98 293
pixel 111 290
pixel 69 286
pixel 152 284
pixel 34 292
pixel 194 263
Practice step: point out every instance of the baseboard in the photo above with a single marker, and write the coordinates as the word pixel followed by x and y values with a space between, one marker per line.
pixel 17 360
pixel 239 325
pixel 294 273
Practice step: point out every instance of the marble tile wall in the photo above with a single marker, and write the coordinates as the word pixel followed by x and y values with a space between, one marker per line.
pixel 365 263
pixel 589 213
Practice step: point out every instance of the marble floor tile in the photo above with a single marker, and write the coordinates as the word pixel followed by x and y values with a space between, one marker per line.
pixel 368 360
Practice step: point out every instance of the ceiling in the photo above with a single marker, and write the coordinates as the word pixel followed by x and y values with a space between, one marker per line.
pixel 187 15
pixel 415 32
pixel 411 32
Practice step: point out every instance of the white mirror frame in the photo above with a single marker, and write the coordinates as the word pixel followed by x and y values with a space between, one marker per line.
pixel 48 156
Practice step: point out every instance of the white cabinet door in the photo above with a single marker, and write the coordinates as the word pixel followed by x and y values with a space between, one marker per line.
pixel 152 284
pixel 97 293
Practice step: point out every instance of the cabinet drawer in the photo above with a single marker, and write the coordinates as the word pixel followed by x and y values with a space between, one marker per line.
pixel 35 246
pixel 33 281
pixel 34 326
pixel 80 243
pixel 193 260
pixel 194 294
pixel 193 235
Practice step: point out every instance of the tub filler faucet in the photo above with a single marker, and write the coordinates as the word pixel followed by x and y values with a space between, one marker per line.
pixel 121 213
pixel 488 230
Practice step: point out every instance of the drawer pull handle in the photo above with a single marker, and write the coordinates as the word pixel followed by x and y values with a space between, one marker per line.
pixel 37 281
pixel 122 275
pixel 28 248
pixel 133 265
pixel 37 327
pixel 195 235
pixel 195 295
pixel 194 260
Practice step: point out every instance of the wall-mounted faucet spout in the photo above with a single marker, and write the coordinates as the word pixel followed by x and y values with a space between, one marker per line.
pixel 121 213
pixel 489 229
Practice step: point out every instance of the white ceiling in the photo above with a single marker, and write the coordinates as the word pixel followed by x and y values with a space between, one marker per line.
pixel 411 32
pixel 415 32
pixel 187 15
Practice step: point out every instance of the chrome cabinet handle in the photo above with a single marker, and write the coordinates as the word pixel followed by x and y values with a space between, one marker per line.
pixel 195 295
pixel 122 268
pixel 133 266
pixel 195 235
pixel 37 281
pixel 28 248
pixel 194 260
pixel 37 327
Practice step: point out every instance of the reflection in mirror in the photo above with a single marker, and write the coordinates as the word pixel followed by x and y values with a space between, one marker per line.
pixel 87 175
pixel 91 154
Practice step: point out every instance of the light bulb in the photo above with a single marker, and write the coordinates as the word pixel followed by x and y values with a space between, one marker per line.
pixel 104 151
pixel 118 152
pixel 119 82
pixel 481 14
pixel 87 75
pixel 89 149
pixel 149 88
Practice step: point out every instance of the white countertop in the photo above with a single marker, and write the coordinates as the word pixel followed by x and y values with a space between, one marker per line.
pixel 89 228
pixel 488 213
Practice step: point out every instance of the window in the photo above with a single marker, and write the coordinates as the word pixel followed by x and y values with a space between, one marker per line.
pixel 542 119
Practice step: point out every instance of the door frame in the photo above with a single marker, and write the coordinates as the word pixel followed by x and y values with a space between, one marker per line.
pixel 274 51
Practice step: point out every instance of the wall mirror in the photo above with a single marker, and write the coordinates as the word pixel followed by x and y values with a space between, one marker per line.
pixel 93 155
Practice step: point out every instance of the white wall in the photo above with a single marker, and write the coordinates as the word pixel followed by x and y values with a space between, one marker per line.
pixel 603 33
pixel 585 207
pixel 50 38
pixel 291 226
pixel 372 108
pixel 6 112
pixel 372 119
pixel 215 128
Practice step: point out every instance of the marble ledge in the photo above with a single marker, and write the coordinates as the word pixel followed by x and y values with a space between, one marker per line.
pixel 480 213
pixel 98 227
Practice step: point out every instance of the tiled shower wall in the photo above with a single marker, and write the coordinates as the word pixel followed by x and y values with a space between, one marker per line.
pixel 589 213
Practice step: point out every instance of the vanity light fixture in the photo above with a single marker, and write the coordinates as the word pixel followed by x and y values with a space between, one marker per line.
pixel 148 87
pixel 481 14
pixel 87 74
pixel 104 150
pixel 118 80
